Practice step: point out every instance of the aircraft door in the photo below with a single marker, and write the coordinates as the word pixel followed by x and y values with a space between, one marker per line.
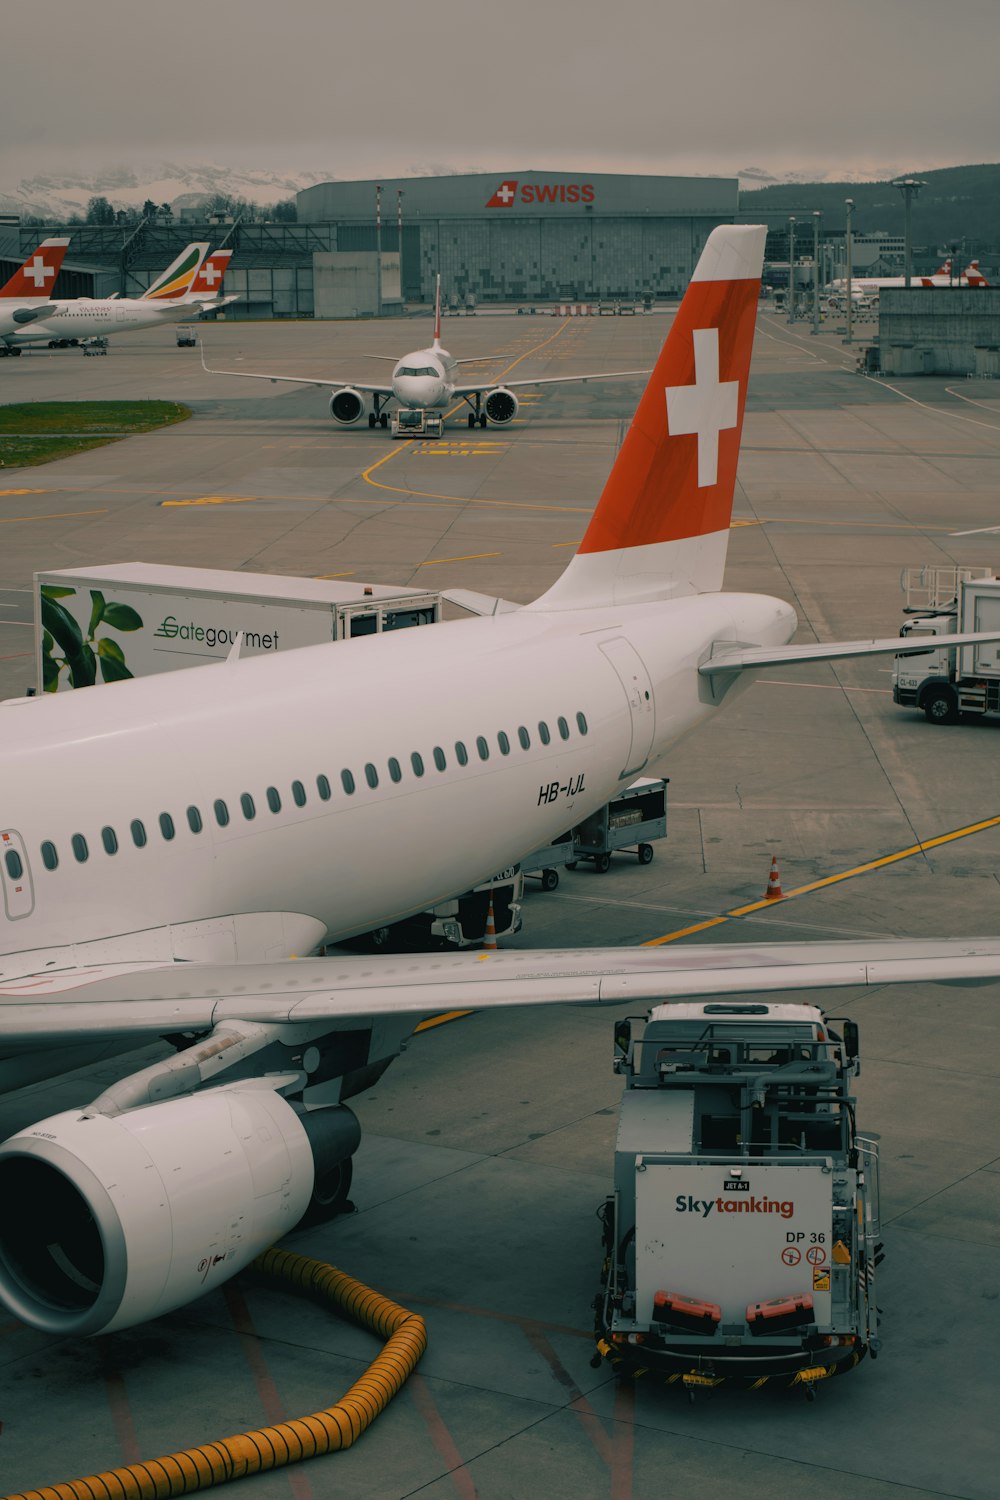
pixel 634 678
pixel 15 876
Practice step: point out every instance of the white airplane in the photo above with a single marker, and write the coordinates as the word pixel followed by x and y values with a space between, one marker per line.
pixel 425 380
pixel 27 295
pixel 190 285
pixel 867 285
pixel 176 848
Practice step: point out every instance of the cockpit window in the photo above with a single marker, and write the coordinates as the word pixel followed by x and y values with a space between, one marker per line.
pixel 418 370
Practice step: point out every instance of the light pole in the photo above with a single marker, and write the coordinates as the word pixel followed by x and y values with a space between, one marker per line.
pixel 399 231
pixel 909 187
pixel 817 215
pixel 849 241
pixel 378 249
pixel 791 270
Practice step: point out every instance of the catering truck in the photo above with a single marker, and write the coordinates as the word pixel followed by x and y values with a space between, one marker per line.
pixel 742 1235
pixel 103 624
pixel 949 681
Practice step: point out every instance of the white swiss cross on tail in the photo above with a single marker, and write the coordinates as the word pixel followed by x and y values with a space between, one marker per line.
pixel 504 195
pixel 37 270
pixel 705 408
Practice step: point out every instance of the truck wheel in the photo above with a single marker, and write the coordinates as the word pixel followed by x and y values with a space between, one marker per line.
pixel 550 879
pixel 941 706
pixel 602 863
pixel 571 864
pixel 645 854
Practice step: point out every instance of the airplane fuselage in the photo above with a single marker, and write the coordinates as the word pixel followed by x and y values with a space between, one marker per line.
pixel 84 317
pixel 425 379
pixel 178 817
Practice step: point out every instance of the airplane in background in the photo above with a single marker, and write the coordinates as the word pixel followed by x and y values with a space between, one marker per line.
pixel 870 286
pixel 972 275
pixel 27 295
pixel 176 852
pixel 426 380
pixel 191 284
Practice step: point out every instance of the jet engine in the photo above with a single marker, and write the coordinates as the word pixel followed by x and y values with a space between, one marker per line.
pixel 347 405
pixel 111 1220
pixel 500 406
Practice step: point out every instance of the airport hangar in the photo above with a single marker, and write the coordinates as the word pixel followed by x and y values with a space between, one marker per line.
pixel 495 238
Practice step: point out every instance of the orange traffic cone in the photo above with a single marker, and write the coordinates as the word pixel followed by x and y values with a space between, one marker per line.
pixel 490 935
pixel 773 892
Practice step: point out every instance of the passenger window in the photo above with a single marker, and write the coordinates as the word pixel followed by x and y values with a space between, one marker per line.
pixel 194 820
pixel 221 812
pixel 482 747
pixel 504 743
pixel 80 847
pixel 50 856
pixel 395 769
pixel 524 737
pixel 274 799
pixel 247 804
pixel 371 775
pixel 347 781
pixel 417 762
pixel 563 729
pixel 110 840
pixel 461 754
pixel 138 833
pixel 543 732
pixel 167 826
pixel 15 869
pixel 439 759
pixel 581 723
pixel 323 787
pixel 298 794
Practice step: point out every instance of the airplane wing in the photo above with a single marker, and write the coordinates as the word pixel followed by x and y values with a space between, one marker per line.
pixel 731 657
pixel 338 385
pixel 486 386
pixel 155 999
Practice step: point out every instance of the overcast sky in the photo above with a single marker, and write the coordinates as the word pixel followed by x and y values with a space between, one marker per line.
pixel 348 88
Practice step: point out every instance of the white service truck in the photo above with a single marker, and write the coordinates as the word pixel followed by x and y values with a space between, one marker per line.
pixel 949 681
pixel 742 1236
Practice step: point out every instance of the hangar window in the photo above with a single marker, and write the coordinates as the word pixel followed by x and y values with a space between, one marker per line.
pixel 581 723
pixel 461 754
pixel 246 802
pixel 110 840
pixel 15 869
pixel 439 759
pixel 80 847
pixel 524 737
pixel 221 812
pixel 138 833
pixel 417 762
pixel 167 826
pixel 504 743
pixel 371 775
pixel 194 820
pixel 50 856
pixel 347 782
pixel 274 799
pixel 482 747
pixel 563 729
pixel 543 732
pixel 323 787
pixel 298 794
pixel 395 769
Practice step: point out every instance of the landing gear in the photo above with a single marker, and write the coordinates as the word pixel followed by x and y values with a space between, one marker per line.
pixel 472 419
pixel 482 419
pixel 372 419
pixel 383 420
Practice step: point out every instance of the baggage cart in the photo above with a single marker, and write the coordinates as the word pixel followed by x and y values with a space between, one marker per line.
pixel 544 864
pixel 630 821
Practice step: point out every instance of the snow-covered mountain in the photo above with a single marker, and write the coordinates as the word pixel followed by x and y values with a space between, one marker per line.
pixel 60 196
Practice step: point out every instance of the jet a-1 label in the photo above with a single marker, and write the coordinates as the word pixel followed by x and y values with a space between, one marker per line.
pixel 552 791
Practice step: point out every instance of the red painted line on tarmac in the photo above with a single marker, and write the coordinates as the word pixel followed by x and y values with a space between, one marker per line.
pixel 121 1418
pixel 579 1404
pixel 271 1403
pixel 442 1438
pixel 623 1442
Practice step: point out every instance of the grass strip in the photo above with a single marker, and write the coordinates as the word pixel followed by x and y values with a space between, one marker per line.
pixel 36 432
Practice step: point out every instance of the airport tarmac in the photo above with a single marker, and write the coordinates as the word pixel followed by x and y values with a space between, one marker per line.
pixel 488 1145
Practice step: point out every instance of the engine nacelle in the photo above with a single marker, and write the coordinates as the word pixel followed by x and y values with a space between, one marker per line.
pixel 347 405
pixel 110 1221
pixel 501 406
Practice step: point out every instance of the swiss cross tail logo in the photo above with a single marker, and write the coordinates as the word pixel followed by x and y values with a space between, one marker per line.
pixel 37 271
pixel 504 195
pixel 210 273
pixel 706 408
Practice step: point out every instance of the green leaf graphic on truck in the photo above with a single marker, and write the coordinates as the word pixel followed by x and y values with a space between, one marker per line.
pixel 65 648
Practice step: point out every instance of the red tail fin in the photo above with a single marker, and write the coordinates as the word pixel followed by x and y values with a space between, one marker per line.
pixel 208 280
pixel 37 276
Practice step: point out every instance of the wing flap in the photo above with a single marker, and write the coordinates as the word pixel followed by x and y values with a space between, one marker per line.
pixel 736 658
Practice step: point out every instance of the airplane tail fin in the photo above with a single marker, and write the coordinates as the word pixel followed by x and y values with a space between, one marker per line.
pixel 207 282
pixel 37 276
pixel 437 310
pixel 661 526
pixel 973 275
pixel 177 278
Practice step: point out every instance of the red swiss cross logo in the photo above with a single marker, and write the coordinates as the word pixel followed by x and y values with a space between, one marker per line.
pixel 504 195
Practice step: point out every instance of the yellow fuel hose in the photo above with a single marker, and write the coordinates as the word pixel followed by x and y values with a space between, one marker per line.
pixel 325 1431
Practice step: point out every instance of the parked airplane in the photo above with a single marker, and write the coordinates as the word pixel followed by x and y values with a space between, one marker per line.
pixel 867 285
pixel 176 847
pixel 27 295
pixel 191 284
pixel 426 380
